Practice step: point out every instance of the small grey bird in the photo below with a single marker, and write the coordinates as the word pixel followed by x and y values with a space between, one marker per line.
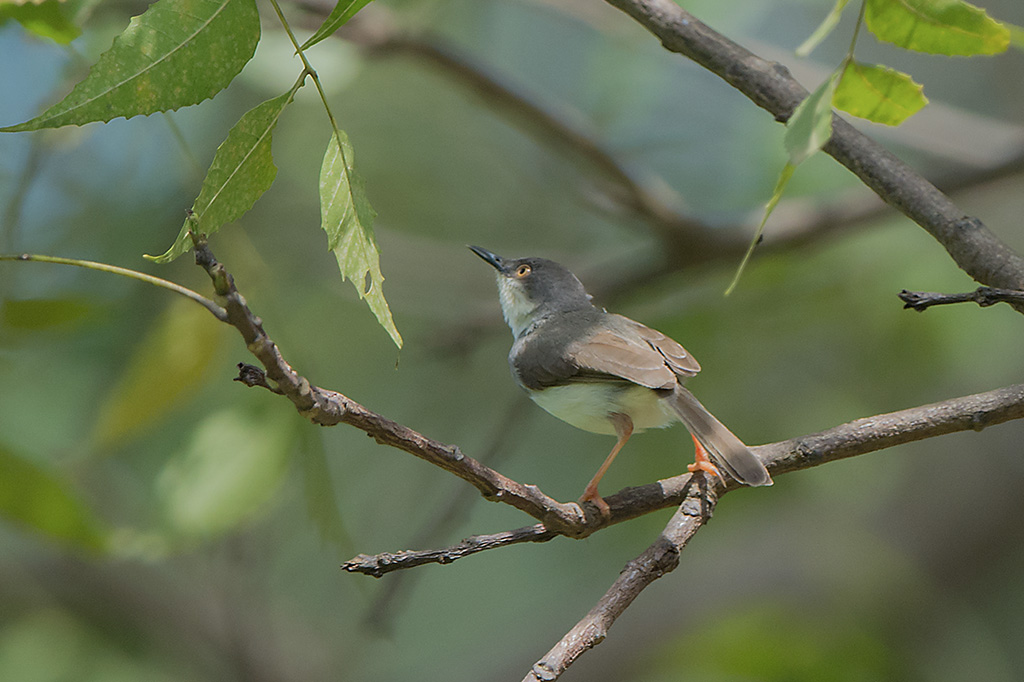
pixel 605 373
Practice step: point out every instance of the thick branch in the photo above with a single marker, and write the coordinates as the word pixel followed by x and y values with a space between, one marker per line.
pixel 770 86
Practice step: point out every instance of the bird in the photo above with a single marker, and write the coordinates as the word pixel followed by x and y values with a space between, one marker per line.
pixel 605 373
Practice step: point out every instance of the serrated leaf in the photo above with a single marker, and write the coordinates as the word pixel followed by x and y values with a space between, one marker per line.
pixel 347 218
pixel 46 19
pixel 810 126
pixel 170 361
pixel 878 93
pixel 823 30
pixel 37 499
pixel 339 16
pixel 949 27
pixel 178 53
pixel 242 170
pixel 231 467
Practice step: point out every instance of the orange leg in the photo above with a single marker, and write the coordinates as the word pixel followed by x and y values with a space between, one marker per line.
pixel 623 429
pixel 701 461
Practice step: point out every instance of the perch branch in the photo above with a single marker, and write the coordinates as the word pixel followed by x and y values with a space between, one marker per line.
pixel 870 434
pixel 328 408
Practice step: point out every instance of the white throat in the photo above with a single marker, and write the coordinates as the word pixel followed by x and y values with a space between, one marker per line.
pixel 515 306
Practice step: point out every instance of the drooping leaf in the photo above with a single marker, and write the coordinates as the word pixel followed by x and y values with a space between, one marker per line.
pixel 179 52
pixel 37 499
pixel 878 93
pixel 231 467
pixel 347 218
pixel 339 16
pixel 242 170
pixel 47 19
pixel 168 363
pixel 823 30
pixel 780 188
pixel 950 27
pixel 810 126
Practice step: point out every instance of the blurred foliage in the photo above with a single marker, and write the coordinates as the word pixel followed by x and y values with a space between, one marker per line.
pixel 117 405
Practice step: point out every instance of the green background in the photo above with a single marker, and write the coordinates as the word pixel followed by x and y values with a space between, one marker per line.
pixel 226 515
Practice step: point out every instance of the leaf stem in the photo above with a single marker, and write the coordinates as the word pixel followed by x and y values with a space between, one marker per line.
pixel 307 69
pixel 215 309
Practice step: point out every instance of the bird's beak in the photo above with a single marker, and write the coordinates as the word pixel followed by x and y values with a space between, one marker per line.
pixel 492 258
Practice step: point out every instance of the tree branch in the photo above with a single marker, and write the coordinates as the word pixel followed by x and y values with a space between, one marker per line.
pixel 769 85
pixel 660 558
pixel 870 434
pixel 983 296
pixel 328 408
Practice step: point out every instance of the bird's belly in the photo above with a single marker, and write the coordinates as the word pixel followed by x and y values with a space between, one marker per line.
pixel 587 405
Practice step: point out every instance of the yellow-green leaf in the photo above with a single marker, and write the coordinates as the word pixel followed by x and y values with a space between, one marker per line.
pixel 47 19
pixel 878 93
pixel 780 188
pixel 823 30
pixel 339 16
pixel 37 499
pixel 810 126
pixel 232 466
pixel 169 362
pixel 950 27
pixel 347 218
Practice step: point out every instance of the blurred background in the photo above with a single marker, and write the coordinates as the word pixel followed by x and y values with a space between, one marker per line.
pixel 174 525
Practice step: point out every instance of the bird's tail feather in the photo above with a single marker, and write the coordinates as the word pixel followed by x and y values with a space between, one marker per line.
pixel 724 448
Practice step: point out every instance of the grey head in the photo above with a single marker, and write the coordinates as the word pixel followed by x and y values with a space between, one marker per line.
pixel 533 288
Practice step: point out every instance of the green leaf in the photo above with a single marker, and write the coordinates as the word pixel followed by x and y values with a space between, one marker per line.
pixel 178 53
pixel 36 314
pixel 321 501
pixel 339 16
pixel 1016 36
pixel 810 126
pixel 823 30
pixel 169 362
pixel 878 94
pixel 46 19
pixel 242 170
pixel 38 500
pixel 347 218
pixel 946 27
pixel 780 188
pixel 233 465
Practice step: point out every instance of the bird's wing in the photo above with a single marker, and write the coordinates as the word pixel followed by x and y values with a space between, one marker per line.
pixel 634 352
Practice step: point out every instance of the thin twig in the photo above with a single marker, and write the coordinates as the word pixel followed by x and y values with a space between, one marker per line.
pixel 660 558
pixel 983 296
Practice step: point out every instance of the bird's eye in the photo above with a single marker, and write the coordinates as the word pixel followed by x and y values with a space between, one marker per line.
pixel 523 270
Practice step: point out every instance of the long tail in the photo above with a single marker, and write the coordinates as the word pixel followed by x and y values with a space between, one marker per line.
pixel 725 449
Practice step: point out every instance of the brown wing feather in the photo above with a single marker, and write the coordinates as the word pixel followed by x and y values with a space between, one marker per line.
pixel 677 357
pixel 632 351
